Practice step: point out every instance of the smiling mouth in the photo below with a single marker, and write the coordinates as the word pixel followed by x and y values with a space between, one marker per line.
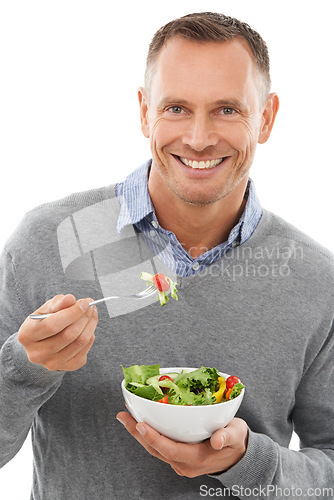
pixel 201 164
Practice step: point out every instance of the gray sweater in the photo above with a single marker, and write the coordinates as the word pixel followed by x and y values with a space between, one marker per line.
pixel 264 312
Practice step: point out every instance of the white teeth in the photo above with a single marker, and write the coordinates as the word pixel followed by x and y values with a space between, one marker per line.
pixel 201 164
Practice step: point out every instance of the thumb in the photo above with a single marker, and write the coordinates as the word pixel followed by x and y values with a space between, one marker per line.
pixel 220 439
pixel 235 434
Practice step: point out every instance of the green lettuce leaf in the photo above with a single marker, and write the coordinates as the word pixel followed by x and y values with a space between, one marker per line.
pixel 145 391
pixel 139 373
pixel 198 380
pixel 185 396
pixel 236 390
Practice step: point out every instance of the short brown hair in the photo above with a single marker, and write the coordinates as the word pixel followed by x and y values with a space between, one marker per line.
pixel 206 27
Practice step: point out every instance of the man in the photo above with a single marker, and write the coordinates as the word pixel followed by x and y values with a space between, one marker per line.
pixel 255 298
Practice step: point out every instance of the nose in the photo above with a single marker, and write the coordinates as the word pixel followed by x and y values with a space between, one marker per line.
pixel 200 133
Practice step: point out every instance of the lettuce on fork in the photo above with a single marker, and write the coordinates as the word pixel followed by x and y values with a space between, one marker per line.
pixel 163 284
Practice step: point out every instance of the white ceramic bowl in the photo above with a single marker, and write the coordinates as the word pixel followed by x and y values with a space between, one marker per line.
pixel 189 424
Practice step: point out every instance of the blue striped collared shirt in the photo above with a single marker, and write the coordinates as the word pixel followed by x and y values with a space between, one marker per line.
pixel 137 209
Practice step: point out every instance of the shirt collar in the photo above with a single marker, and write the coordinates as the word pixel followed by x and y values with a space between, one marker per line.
pixel 136 204
pixel 134 197
pixel 252 213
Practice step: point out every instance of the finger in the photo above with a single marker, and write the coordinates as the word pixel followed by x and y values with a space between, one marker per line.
pixel 74 355
pixel 87 328
pixel 231 435
pixel 169 450
pixel 80 358
pixel 130 424
pixel 61 302
pixel 57 322
pixel 56 304
pixel 182 457
pixel 75 333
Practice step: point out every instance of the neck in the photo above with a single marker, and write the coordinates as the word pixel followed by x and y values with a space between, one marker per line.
pixel 199 227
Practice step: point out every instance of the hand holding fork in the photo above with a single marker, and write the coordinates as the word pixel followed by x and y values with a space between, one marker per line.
pixel 62 340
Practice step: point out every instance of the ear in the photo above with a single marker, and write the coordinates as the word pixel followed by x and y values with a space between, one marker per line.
pixel 143 112
pixel 268 118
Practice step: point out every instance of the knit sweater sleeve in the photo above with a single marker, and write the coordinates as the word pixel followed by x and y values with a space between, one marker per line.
pixel 273 471
pixel 24 386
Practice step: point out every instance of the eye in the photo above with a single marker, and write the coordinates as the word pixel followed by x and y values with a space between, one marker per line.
pixel 176 110
pixel 227 111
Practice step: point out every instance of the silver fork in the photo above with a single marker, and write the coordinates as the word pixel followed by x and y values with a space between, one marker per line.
pixel 141 295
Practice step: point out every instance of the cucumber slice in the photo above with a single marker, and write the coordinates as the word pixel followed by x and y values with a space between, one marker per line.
pixel 154 381
pixel 146 276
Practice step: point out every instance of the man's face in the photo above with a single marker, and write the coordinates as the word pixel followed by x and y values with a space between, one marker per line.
pixel 204 118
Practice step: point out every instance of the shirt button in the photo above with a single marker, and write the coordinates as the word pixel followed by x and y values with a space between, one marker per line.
pixel 154 224
pixel 152 233
pixel 195 266
pixel 234 244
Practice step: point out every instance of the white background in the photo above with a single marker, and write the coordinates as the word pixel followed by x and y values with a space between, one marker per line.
pixel 69 73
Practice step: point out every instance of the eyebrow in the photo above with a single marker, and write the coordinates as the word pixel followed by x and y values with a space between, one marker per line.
pixel 232 102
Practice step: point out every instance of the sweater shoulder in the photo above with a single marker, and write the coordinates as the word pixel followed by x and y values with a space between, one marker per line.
pixel 310 251
pixel 40 223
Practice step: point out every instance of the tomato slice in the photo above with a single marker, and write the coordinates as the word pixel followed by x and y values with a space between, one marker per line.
pixel 161 282
pixel 164 377
pixel 231 381
pixel 164 400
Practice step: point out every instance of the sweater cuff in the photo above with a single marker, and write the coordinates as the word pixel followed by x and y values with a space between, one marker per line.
pixel 15 365
pixel 257 466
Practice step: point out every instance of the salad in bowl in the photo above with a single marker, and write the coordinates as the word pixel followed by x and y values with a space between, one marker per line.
pixel 182 403
pixel 202 386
